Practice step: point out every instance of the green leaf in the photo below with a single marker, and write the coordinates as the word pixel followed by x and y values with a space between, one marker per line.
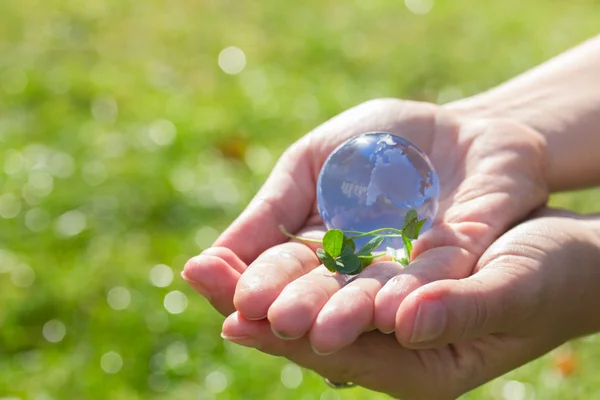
pixel 333 241
pixel 403 261
pixel 419 226
pixel 409 218
pixel 407 246
pixel 371 245
pixel 411 227
pixel 327 260
pixel 366 260
pixel 348 262
pixel 349 242
pixel 410 231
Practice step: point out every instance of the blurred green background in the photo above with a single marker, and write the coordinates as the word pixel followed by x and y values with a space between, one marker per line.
pixel 132 132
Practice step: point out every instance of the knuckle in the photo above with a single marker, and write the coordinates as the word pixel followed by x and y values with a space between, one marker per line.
pixel 478 320
pixel 357 294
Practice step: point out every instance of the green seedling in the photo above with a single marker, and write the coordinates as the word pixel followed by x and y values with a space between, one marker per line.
pixel 339 252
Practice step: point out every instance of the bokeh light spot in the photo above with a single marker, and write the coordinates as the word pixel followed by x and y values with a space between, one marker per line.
pixel 14 162
pixel 258 159
pixel 37 219
pixel 57 81
pixel 161 275
pixel 29 196
pixel 71 223
pixel 158 362
pixel 175 302
pixel 216 382
pixel 22 275
pixel 232 60
pixel 514 390
pixel 118 298
pixel 176 354
pixel 10 206
pixel 94 173
pixel 111 362
pixel 162 132
pixel 105 109
pixel 158 382
pixel 41 183
pixel 182 179
pixel 54 331
pixel 8 261
pixel 291 376
pixel 61 165
pixel 419 6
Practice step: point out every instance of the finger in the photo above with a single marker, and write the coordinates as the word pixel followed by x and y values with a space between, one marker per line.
pixel 474 237
pixel 286 198
pixel 299 303
pixel 349 311
pixel 228 256
pixel 288 195
pixel 214 278
pixel 435 264
pixel 266 277
pixel 375 360
pixel 494 300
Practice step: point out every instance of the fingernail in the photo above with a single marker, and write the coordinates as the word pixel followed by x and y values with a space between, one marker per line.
pixel 255 318
pixel 241 340
pixel 196 285
pixel 317 352
pixel 430 321
pixel 188 278
pixel 280 335
pixel 284 336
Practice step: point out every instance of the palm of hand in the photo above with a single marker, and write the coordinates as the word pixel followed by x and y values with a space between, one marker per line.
pixel 491 176
pixel 522 316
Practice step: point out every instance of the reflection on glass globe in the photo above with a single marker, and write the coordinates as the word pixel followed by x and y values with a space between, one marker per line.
pixel 371 181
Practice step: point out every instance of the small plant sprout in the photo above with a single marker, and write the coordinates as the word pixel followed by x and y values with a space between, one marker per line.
pixel 339 253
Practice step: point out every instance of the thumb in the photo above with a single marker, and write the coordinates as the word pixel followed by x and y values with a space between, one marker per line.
pixel 285 199
pixel 450 311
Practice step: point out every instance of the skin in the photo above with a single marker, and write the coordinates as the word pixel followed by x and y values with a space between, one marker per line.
pixel 478 201
pixel 470 306
pixel 538 277
pixel 560 100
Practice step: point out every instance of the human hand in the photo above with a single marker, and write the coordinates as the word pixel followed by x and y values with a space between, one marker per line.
pixel 532 289
pixel 490 173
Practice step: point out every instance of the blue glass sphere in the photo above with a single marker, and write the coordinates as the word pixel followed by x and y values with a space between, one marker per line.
pixel 371 181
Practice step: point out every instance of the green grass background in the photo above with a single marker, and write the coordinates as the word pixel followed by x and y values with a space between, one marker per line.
pixel 88 88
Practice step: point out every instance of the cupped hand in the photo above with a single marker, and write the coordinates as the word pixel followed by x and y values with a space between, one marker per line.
pixel 491 175
pixel 534 288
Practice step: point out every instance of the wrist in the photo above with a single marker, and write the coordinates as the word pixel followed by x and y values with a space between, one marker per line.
pixel 475 107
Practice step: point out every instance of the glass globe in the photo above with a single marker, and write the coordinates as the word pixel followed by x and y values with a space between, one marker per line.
pixel 371 181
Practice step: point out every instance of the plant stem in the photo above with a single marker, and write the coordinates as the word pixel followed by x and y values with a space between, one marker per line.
pixel 373 233
pixel 303 239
